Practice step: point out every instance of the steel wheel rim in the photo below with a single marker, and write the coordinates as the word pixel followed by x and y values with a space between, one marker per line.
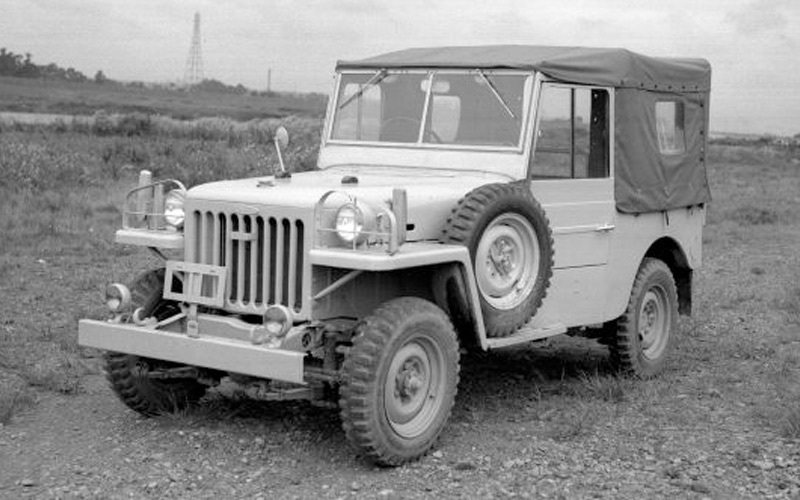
pixel 414 387
pixel 507 261
pixel 654 323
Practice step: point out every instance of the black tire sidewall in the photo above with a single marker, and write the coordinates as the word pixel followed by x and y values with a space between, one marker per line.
pixel 148 396
pixel 446 345
pixel 366 367
pixel 658 274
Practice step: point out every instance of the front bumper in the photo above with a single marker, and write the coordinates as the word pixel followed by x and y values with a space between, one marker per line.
pixel 220 353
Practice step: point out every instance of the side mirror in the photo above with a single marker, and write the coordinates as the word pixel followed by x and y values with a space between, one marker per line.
pixel 282 137
pixel 281 140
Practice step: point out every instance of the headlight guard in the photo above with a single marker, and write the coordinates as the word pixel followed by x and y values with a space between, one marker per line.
pixel 342 220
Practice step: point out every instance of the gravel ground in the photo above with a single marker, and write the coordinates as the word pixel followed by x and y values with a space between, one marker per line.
pixel 657 439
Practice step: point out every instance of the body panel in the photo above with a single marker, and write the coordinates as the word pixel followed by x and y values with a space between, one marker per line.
pixel 150 238
pixel 580 212
pixel 635 234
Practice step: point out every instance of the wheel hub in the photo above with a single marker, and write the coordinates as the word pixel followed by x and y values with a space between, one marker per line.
pixel 653 327
pixel 413 391
pixel 507 260
pixel 502 257
pixel 409 381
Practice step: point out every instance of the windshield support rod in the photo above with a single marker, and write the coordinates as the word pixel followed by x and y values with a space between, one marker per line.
pixel 496 93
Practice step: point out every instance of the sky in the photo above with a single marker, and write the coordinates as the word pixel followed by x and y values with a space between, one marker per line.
pixel 753 45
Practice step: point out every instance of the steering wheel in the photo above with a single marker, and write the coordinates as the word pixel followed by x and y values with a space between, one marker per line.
pixel 433 137
pixel 399 119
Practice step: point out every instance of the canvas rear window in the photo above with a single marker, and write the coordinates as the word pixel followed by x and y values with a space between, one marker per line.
pixel 670 127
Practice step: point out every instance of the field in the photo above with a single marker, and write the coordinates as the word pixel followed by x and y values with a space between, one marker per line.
pixel 72 98
pixel 542 420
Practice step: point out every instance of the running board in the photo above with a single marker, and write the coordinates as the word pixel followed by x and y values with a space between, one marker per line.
pixel 526 334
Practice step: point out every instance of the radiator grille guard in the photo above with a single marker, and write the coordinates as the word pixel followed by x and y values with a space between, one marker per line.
pixel 264 257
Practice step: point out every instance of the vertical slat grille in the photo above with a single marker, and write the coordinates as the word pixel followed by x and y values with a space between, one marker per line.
pixel 264 257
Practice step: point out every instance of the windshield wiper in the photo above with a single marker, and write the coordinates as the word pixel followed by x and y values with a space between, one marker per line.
pixel 374 80
pixel 496 93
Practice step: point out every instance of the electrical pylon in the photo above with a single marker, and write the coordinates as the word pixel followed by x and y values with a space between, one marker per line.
pixel 194 63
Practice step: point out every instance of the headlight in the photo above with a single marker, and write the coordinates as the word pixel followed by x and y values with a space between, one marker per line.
pixel 173 208
pixel 355 221
pixel 349 222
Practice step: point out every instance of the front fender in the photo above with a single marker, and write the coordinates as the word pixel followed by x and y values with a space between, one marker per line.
pixel 411 256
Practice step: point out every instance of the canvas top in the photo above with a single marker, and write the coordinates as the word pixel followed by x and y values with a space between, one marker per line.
pixel 590 66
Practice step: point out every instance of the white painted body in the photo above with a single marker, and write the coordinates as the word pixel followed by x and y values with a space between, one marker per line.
pixel 598 249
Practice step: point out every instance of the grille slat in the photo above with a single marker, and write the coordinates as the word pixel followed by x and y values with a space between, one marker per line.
pixel 292 283
pixel 267 259
pixel 279 259
pixel 202 238
pixel 263 255
pixel 253 253
pixel 228 253
pixel 217 241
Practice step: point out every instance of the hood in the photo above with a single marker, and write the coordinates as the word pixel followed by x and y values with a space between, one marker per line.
pixel 432 193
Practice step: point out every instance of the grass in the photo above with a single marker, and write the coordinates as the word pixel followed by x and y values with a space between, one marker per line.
pixel 790 422
pixel 60 193
pixel 12 401
pixel 62 183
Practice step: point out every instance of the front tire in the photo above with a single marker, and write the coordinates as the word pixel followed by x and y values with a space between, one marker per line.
pixel 645 332
pixel 129 375
pixel 399 381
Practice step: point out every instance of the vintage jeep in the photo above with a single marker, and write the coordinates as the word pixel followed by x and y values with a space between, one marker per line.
pixel 465 198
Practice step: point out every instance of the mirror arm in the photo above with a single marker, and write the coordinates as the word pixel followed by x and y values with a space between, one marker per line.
pixel 280 155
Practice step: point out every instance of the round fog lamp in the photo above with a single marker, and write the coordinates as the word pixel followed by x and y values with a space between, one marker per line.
pixel 277 320
pixel 173 208
pixel 118 297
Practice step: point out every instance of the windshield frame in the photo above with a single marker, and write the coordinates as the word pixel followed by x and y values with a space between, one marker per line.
pixel 431 73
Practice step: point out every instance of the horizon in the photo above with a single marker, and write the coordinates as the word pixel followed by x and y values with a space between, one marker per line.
pixel 751 44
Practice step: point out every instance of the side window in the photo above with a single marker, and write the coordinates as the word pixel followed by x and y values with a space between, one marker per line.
pixel 572 141
pixel 670 127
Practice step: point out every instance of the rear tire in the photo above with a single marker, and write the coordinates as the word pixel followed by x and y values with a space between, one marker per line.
pixel 128 374
pixel 645 332
pixel 399 381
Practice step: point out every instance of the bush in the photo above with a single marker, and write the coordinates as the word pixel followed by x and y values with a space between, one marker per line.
pixel 77 153
pixel 103 124
pixel 134 124
pixel 35 166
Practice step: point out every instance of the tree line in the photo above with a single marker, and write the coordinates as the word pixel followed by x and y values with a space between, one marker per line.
pixel 21 65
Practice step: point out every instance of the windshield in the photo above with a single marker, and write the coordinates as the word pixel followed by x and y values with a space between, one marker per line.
pixel 451 108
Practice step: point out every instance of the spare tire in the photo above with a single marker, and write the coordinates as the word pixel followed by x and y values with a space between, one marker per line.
pixel 511 245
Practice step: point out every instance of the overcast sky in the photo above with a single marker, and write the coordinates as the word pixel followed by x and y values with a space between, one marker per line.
pixel 753 45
